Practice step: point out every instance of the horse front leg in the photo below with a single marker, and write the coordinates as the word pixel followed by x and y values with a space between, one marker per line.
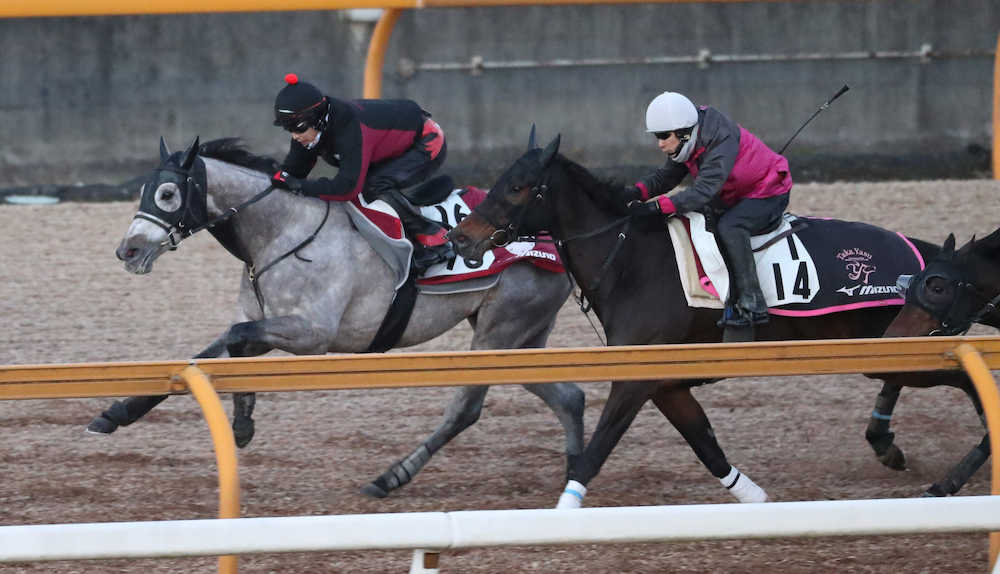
pixel 963 471
pixel 253 338
pixel 878 434
pixel 125 412
pixel 462 412
pixel 684 411
pixel 624 402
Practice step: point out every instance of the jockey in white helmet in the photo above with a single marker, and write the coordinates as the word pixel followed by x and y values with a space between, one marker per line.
pixel 738 181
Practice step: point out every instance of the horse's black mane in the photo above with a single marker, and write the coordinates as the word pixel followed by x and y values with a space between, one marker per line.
pixel 605 192
pixel 232 150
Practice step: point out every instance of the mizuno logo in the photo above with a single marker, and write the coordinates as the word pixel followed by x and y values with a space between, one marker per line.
pixel 849 291
pixel 878 290
pixel 869 290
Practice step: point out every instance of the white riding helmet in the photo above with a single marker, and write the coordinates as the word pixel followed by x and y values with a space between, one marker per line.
pixel 670 111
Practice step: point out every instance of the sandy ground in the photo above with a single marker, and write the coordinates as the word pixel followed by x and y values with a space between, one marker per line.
pixel 64 298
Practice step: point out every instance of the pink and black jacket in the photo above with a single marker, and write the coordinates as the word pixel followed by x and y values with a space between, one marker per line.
pixel 361 134
pixel 728 161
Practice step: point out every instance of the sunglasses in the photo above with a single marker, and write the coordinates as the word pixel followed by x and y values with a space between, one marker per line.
pixel 298 128
pixel 663 135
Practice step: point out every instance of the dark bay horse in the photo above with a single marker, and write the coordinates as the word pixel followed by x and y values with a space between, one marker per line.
pixel 627 270
pixel 325 289
pixel 956 289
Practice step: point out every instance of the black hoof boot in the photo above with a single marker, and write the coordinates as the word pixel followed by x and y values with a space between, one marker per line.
pixel 102 425
pixel 242 431
pixel 109 421
pixel 376 488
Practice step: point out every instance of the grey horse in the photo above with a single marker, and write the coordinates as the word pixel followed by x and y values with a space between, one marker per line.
pixel 325 289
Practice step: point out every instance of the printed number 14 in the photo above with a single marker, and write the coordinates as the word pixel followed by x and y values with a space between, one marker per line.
pixel 801 285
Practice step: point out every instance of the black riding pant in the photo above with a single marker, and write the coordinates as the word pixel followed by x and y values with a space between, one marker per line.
pixel 415 166
pixel 751 216
pixel 733 230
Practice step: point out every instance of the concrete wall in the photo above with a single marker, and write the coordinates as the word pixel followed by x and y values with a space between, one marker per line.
pixel 86 99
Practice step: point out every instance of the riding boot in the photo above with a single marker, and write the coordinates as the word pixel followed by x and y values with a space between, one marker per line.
pixel 430 244
pixel 746 305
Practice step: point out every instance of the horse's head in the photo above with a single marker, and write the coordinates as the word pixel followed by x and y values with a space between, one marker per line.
pixel 506 211
pixel 956 289
pixel 172 202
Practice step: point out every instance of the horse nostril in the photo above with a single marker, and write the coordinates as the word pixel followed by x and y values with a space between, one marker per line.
pixel 125 254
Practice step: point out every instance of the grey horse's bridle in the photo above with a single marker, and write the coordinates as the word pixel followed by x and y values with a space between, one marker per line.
pixel 194 215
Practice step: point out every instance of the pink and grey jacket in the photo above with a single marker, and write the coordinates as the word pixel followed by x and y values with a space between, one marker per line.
pixel 361 134
pixel 728 162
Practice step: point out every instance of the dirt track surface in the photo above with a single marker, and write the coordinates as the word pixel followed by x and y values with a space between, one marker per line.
pixel 64 298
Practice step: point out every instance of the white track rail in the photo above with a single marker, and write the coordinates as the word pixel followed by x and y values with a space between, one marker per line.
pixel 490 528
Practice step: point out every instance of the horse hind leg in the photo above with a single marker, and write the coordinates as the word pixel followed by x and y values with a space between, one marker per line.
pixel 567 401
pixel 461 413
pixel 686 414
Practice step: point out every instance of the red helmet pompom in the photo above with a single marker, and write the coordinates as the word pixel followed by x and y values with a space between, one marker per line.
pixel 291 79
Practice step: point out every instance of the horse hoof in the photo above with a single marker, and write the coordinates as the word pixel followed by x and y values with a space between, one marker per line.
pixel 101 425
pixel 893 458
pixel 243 431
pixel 373 490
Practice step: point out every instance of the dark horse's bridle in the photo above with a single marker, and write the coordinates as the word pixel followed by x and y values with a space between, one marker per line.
pixel 505 234
pixel 956 316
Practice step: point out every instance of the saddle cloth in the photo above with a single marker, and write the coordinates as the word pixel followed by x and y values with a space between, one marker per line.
pixel 807 266
pixel 380 225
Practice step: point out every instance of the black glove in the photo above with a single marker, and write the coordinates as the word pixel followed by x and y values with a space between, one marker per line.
pixel 631 193
pixel 642 208
pixel 282 180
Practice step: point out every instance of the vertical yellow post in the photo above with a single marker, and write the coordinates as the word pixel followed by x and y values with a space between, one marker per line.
pixel 996 111
pixel 225 451
pixel 376 52
pixel 986 386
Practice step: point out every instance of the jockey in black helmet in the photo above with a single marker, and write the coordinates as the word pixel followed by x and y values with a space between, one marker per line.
pixel 380 148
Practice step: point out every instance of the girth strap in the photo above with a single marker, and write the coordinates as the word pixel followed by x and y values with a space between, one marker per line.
pixel 397 318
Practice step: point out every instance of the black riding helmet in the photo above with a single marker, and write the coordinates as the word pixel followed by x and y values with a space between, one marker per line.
pixel 299 106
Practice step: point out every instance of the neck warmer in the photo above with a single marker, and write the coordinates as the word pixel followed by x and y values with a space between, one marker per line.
pixel 685 150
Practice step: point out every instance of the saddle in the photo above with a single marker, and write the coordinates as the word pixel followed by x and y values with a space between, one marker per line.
pixel 805 266
pixel 438 200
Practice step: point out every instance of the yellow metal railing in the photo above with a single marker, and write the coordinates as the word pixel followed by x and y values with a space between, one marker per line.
pixel 977 355
pixel 27 8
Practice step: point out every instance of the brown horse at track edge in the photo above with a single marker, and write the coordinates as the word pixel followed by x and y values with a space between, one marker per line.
pixel 627 270
pixel 956 289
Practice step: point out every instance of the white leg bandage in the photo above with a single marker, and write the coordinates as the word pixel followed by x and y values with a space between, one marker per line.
pixel 744 489
pixel 572 496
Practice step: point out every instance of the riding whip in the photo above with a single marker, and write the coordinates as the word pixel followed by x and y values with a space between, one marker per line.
pixel 816 113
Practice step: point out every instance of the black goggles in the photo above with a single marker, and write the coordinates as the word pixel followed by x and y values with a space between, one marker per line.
pixel 663 135
pixel 297 127
pixel 295 124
